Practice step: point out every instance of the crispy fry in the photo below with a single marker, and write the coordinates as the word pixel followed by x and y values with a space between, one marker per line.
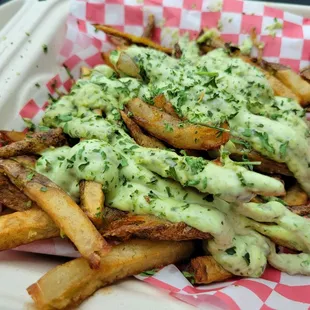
pixel 12 136
pixel 267 165
pixel 140 137
pixel 177 51
pixel 61 208
pixel 133 39
pixel 34 143
pixel 301 210
pixel 150 27
pixel 106 59
pixel 92 201
pixel 160 102
pixel 151 227
pixel 295 196
pixel 85 72
pixel 71 283
pixel 12 197
pixel 206 270
pixel 279 88
pixel 173 131
pixel 21 228
pixel 305 73
pixel 27 161
pixel 296 83
pixel 126 66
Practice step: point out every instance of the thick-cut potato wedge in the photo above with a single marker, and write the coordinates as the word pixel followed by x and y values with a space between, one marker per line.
pixel 161 102
pixel 11 136
pixel 296 83
pixel 69 284
pixel 106 59
pixel 92 201
pixel 133 39
pixel 279 88
pixel 305 73
pixel 125 65
pixel 206 270
pixel 295 196
pixel 150 27
pixel 26 160
pixel 173 131
pixel 12 197
pixel 20 228
pixel 140 137
pixel 267 165
pixel 34 143
pixel 151 227
pixel 67 215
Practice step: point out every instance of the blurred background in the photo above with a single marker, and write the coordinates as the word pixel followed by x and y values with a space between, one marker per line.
pixel 305 2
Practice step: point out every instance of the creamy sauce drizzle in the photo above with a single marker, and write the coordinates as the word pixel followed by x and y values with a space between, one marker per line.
pixel 206 90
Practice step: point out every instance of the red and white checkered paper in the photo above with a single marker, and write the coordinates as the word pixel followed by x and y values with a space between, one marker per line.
pixel 82 46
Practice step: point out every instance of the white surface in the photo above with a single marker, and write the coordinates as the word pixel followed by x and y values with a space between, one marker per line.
pixel 22 64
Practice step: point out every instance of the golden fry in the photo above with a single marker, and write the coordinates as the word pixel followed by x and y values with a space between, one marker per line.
pixel 92 201
pixel 206 270
pixel 34 143
pixel 150 27
pixel 296 83
pixel 69 284
pixel 175 132
pixel 12 136
pixel 161 102
pixel 305 73
pixel 67 215
pixel 301 210
pixel 85 72
pixel 12 197
pixel 295 196
pixel 151 227
pixel 140 137
pixel 20 228
pixel 133 39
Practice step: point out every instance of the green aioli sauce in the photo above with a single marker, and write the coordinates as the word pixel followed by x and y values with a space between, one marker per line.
pixel 207 90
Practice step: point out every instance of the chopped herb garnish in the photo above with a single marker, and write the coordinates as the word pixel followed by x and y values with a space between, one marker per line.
pixel 231 251
pixel 246 257
pixel 30 176
pixel 43 189
pixel 283 149
pixel 45 48
pixel 148 273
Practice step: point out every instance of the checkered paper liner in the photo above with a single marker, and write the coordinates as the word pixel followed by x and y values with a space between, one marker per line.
pixel 83 46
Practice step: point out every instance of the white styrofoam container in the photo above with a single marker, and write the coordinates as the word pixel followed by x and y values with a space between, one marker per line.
pixel 22 65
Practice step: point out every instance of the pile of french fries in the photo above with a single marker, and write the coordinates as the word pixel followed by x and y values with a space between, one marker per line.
pixel 120 244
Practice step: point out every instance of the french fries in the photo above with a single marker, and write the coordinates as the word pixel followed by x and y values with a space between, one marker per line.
pixel 140 137
pixel 150 27
pixel 295 196
pixel 33 143
pixel 11 136
pixel 126 66
pixel 61 208
pixel 173 131
pixel 305 73
pixel 160 102
pixel 12 197
pixel 24 227
pixel 296 83
pixel 69 284
pixel 92 201
pixel 152 228
pixel 206 270
pixel 291 79
pixel 133 39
